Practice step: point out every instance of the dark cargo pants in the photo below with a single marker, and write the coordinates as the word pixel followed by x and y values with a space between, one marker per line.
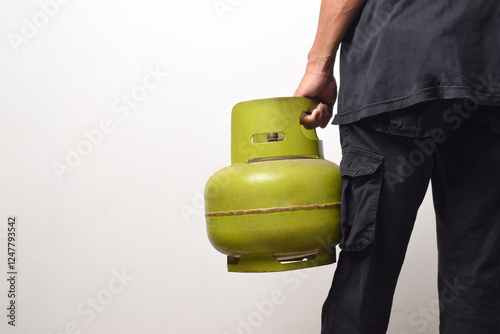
pixel 386 166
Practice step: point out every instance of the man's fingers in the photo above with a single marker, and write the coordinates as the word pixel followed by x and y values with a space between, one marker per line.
pixel 327 115
pixel 313 119
pixel 306 119
pixel 320 116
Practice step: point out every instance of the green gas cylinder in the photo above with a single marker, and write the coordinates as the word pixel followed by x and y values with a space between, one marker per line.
pixel 277 207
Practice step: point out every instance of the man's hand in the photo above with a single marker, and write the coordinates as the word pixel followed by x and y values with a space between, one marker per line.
pixel 323 87
pixel 335 17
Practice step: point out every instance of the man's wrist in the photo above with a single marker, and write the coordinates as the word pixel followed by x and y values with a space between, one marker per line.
pixel 320 63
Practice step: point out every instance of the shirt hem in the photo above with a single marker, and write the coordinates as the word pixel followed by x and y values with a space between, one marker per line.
pixel 421 95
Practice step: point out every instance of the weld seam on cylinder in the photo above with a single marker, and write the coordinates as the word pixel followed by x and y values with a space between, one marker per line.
pixel 268 210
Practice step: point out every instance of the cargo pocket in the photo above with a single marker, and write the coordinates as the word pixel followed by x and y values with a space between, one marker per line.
pixel 362 179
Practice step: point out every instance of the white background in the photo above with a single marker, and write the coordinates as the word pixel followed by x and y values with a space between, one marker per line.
pixel 131 205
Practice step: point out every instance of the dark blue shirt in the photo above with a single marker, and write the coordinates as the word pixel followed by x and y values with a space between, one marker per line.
pixel 401 52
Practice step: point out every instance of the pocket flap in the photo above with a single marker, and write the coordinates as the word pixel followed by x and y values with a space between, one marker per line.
pixel 356 162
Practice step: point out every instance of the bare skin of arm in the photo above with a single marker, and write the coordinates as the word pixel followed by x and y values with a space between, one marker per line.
pixel 335 17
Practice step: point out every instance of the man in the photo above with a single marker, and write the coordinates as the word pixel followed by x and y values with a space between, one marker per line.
pixel 418 101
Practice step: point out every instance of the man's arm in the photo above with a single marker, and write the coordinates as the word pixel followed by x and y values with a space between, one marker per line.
pixel 335 17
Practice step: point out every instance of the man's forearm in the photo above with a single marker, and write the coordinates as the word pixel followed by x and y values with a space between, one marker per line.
pixel 334 19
